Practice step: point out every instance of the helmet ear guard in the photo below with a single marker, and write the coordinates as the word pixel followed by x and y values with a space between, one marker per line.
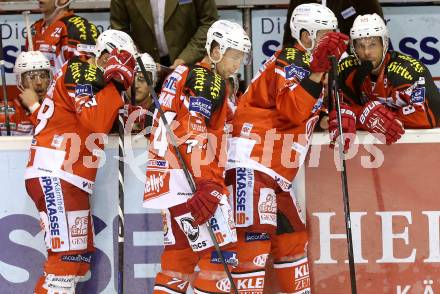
pixel 311 17
pixel 227 34
pixel 150 66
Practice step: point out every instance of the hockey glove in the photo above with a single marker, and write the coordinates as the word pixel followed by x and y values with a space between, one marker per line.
pixel 348 121
pixel 378 119
pixel 331 44
pixel 120 68
pixel 205 201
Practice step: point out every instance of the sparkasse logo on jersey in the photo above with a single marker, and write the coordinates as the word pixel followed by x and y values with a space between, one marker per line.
pixel 241 196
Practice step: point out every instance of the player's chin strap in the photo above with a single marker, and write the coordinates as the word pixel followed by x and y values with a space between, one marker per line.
pixel 58 8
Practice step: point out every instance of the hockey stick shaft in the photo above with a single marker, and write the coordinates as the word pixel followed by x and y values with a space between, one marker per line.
pixel 184 167
pixel 344 179
pixel 121 202
pixel 28 30
pixel 5 91
pixel 166 69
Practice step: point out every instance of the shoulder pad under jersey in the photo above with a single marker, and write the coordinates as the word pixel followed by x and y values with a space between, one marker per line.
pixel 347 65
pixel 204 83
pixel 294 62
pixel 80 29
pixel 403 69
pixel 82 72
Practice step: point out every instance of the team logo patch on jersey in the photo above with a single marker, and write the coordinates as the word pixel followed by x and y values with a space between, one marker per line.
pixel 196 125
pixel 244 208
pixel 250 237
pixel 78 227
pixel 167 229
pixel 156 163
pixel 260 260
pixel 56 213
pixel 83 90
pixel 267 207
pixel 230 257
pixel 157 183
pixel 200 105
pixel 293 71
pixel 170 84
pixel 418 95
pixel 190 230
pixel 87 258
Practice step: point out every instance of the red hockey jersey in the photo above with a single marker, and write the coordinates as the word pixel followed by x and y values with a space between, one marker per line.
pixel 403 84
pixel 194 100
pixel 20 122
pixel 275 117
pixel 78 110
pixel 66 37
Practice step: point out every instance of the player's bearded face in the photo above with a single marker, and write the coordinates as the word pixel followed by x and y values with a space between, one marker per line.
pixel 369 49
pixel 230 62
pixel 38 80
pixel 46 6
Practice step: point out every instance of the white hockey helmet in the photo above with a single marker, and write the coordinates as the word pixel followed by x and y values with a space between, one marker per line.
pixel 369 25
pixel 29 61
pixel 311 17
pixel 150 66
pixel 228 34
pixel 110 39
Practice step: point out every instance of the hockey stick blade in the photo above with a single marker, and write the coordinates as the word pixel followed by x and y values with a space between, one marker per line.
pixel 183 165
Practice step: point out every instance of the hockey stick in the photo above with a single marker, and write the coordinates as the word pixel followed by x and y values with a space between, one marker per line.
pixel 183 166
pixel 121 194
pixel 167 70
pixel 5 92
pixel 28 30
pixel 335 87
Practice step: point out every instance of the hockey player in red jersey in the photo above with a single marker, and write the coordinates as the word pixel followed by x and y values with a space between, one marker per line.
pixel 81 105
pixel 141 107
pixel 61 34
pixel 33 75
pixel 194 99
pixel 384 91
pixel 271 133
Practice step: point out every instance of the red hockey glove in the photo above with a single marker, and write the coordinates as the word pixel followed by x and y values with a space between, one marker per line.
pixel 348 121
pixel 204 201
pixel 120 68
pixel 331 44
pixel 378 119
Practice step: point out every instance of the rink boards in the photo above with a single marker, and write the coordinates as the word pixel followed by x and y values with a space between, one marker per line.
pixel 394 201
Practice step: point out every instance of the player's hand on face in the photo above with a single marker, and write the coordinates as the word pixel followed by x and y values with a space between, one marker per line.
pixel 28 97
pixel 120 68
pixel 332 44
